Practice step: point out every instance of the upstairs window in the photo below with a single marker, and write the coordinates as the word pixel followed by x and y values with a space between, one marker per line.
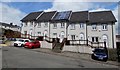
pixel 62 25
pixel 104 27
pixel 25 24
pixel 81 25
pixel 94 27
pixel 39 24
pixel 46 25
pixel 31 23
pixel 72 26
pixel 54 25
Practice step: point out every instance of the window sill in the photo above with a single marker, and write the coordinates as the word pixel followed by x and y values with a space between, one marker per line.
pixel 104 29
pixel 72 29
pixel 94 29
pixel 62 27
pixel 54 28
pixel 38 27
pixel 82 28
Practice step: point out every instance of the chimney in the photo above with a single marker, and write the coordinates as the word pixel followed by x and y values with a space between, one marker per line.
pixel 11 23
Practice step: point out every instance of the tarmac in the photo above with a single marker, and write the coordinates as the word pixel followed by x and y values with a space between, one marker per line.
pixel 74 55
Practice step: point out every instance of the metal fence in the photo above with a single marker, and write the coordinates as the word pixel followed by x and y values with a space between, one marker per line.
pixel 85 42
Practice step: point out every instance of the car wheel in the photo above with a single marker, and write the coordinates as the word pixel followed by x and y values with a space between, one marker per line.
pixel 92 56
pixel 105 60
pixel 32 47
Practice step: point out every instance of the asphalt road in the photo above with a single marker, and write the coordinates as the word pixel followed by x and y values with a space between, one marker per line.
pixel 14 57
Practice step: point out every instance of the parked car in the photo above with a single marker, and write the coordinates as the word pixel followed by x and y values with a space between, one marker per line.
pixel 100 54
pixel 32 44
pixel 21 42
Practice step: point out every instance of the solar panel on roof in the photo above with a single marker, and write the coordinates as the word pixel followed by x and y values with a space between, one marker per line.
pixel 63 15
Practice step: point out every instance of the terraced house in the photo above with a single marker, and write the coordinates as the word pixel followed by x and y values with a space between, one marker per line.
pixel 74 28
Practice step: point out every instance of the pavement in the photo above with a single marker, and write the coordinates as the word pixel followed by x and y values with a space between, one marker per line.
pixel 75 55
pixel 69 54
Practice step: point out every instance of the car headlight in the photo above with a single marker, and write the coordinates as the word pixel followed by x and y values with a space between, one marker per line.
pixel 95 55
pixel 105 56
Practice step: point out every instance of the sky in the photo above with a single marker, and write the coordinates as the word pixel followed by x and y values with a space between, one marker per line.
pixel 12 11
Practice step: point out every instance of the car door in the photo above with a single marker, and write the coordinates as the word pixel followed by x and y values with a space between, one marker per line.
pixel 37 44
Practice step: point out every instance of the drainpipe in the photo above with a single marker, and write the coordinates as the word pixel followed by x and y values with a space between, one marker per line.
pixel 112 36
pixel 49 29
pixel 86 34
pixel 86 30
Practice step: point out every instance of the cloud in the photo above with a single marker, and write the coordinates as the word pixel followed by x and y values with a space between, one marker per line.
pixel 69 5
pixel 64 5
pixel 10 14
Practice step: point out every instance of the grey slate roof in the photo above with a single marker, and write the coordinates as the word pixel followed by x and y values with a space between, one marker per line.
pixel 101 16
pixel 32 16
pixel 46 16
pixel 4 24
pixel 8 25
pixel 81 16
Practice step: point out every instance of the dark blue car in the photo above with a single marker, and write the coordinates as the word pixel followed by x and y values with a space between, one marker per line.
pixel 100 54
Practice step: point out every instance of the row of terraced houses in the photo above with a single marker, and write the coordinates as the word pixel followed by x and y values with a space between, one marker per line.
pixel 81 27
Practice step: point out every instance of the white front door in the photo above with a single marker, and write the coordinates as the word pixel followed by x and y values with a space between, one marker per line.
pixel 31 33
pixel 61 36
pixel 45 34
pixel 81 38
pixel 105 39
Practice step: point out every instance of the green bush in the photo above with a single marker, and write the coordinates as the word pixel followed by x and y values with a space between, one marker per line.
pixel 112 54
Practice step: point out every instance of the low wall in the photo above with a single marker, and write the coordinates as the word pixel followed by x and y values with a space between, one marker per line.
pixel 80 49
pixel 45 44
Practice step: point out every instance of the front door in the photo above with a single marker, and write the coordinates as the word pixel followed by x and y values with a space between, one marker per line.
pixel 81 38
pixel 105 39
pixel 62 36
pixel 45 34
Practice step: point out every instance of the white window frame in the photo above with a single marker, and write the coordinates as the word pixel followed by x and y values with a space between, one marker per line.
pixel 62 25
pixel 94 26
pixel 45 24
pixel 39 33
pixel 54 25
pixel 39 24
pixel 82 25
pixel 72 37
pixel 72 26
pixel 31 23
pixel 96 39
pixel 104 27
pixel 25 24
pixel 55 34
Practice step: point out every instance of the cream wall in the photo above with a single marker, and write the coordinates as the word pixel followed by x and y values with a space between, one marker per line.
pixel 77 31
pixel 57 30
pixel 42 29
pixel 99 33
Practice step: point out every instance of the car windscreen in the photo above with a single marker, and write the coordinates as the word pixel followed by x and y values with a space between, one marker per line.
pixel 21 40
pixel 100 50
pixel 32 41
